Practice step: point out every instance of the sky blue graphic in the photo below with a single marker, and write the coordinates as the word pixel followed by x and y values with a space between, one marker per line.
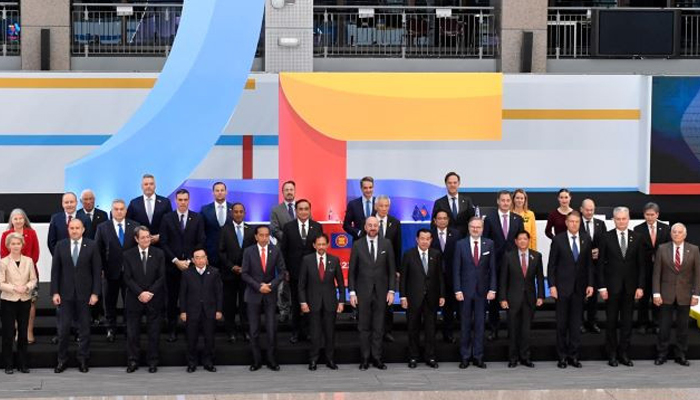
pixel 187 110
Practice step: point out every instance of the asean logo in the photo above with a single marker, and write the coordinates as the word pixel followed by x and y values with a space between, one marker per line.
pixel 341 241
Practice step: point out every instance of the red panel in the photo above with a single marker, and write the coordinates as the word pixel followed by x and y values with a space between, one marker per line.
pixel 317 163
pixel 674 188
pixel 247 157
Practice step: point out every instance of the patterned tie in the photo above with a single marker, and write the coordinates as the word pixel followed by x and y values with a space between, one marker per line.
pixel 76 253
pixel 454 207
pixel 290 210
pixel 144 261
pixel 263 259
pixel 475 253
pixel 121 234
pixel 424 260
pixel 221 215
pixel 368 208
pixel 239 235
pixel 149 210
pixel 574 248
pixel 652 233
pixel 523 263
pixel 677 259
pixel 623 244
pixel 442 241
pixel 182 222
pixel 321 268
pixel 504 225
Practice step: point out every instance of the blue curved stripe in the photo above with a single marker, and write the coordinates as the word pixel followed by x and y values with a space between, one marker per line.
pixel 187 110
pixel 98 140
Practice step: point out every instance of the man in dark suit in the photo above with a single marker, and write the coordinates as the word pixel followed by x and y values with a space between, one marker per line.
pixel 236 236
pixel 521 291
pixel 215 216
pixel 570 275
pixel 458 206
pixel 390 229
pixel 594 228
pixel 149 209
pixel 58 227
pixel 280 215
pixel 676 286
pixel 113 238
pixel 263 271
pixel 652 233
pixel 75 285
pixel 182 231
pixel 621 281
pixel 201 305
pixel 298 237
pixel 90 215
pixel 444 239
pixel 422 291
pixel 320 274
pixel 501 226
pixel 474 269
pixel 144 278
pixel 371 282
pixel 359 209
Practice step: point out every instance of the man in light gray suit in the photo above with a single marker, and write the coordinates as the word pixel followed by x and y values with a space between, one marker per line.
pixel 279 216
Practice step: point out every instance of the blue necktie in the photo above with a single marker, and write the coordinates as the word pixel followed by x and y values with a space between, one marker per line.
pixel 454 206
pixel 574 248
pixel 368 211
pixel 290 210
pixel 121 234
pixel 239 234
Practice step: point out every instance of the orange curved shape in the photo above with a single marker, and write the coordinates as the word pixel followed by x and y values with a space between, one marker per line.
pixel 398 106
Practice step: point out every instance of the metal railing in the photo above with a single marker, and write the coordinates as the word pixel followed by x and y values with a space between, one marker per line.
pixel 569 32
pixel 405 32
pixel 11 26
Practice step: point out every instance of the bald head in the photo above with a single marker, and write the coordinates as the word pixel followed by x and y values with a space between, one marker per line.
pixel 75 229
pixel 372 226
pixel 588 209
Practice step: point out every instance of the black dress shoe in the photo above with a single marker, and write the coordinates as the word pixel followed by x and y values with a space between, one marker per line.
pixel 574 362
pixel 110 336
pixel 83 367
pixel 131 368
pixel 626 361
pixel 60 368
pixel 594 328
pixel 332 365
pixel 378 364
pixel 660 361
pixel 612 362
pixel 432 363
pixel 364 365
pixel 388 337
pixel 9 371
pixel 232 338
pixel 480 364
pixel 527 363
pixel 512 364
pixel 561 364
pixel 312 366
pixel 273 366
pixel 683 361
pixel 210 368
pixel 191 368
pixel 583 329
pixel 464 364
pixel 412 363
pixel 254 367
pixel 54 340
pixel 23 370
pixel 172 337
pixel 294 339
pixel 152 369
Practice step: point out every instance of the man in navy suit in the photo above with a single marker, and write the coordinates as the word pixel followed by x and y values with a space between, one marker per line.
pixel 501 226
pixel 58 227
pixel 444 240
pixel 474 269
pixel 75 285
pixel 92 216
pixel 263 271
pixel 359 209
pixel 113 238
pixel 215 215
pixel 459 206
pixel 181 232
pixel 149 209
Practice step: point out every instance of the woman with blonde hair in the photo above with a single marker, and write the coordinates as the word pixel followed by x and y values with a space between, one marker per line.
pixel 19 223
pixel 521 207
pixel 17 281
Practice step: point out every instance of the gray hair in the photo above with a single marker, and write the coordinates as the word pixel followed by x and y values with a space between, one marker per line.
pixel 118 201
pixel 145 176
pixel 86 191
pixel 139 229
pixel 11 236
pixel 21 212
pixel 651 206
pixel 679 225
pixel 383 197
pixel 621 209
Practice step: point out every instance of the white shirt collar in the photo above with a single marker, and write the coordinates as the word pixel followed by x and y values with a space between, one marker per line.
pixel 571 235
pixel 222 204
pixel 143 250
pixel 260 248
pixel 441 231
pixel 325 258
pixel 201 271
pixel 619 232
pixel 179 214
pixel 241 225
pixel 501 213
pixel 375 239
pixel 72 242
pixel 474 239
pixel 152 197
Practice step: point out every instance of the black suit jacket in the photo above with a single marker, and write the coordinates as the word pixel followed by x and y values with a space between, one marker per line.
pixel 179 244
pixel 230 253
pixel 354 222
pixel 517 288
pixel 451 238
pixel 599 229
pixel 76 282
pixel 111 252
pixel 58 229
pixel 137 212
pixel 466 211
pixel 201 296
pixel 367 275
pixel 137 282
pixel 620 274
pixel 98 217
pixel 393 235
pixel 212 230
pixel 293 248
pixel 663 235
pixel 321 294
pixel 415 285
pixel 568 276
pixel 493 231
pixel 253 274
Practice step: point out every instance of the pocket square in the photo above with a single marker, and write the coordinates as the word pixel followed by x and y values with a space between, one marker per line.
pixel 486 253
pixel 383 251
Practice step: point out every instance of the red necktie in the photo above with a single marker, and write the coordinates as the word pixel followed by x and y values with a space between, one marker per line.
pixel 475 253
pixel 321 268
pixel 263 259
pixel 523 263
pixel 70 217
pixel 677 263
pixel 652 233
